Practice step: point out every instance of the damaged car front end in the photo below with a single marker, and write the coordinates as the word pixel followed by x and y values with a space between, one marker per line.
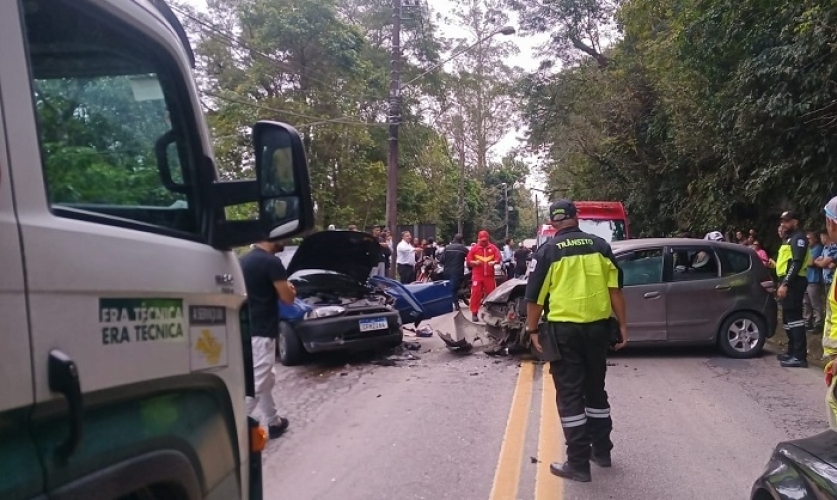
pixel 504 313
pixel 336 308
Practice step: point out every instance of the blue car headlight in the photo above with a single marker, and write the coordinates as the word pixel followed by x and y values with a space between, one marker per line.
pixel 325 312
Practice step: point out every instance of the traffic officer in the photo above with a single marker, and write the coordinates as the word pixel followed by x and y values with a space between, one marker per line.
pixel 791 268
pixel 577 278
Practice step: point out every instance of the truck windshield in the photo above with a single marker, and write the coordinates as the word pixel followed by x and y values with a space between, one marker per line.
pixel 105 99
pixel 609 230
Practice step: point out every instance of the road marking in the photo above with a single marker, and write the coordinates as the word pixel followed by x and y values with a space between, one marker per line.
pixel 507 475
pixel 547 485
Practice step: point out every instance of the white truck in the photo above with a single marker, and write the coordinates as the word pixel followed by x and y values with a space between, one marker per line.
pixel 124 356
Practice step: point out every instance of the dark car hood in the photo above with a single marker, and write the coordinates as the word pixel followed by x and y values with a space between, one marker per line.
pixel 822 446
pixel 352 253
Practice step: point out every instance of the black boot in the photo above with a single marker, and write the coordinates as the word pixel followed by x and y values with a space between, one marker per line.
pixel 602 460
pixel 783 356
pixel 567 471
pixel 795 363
pixel 274 431
pixel 799 352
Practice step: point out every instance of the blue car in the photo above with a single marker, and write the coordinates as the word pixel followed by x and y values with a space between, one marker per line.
pixel 338 308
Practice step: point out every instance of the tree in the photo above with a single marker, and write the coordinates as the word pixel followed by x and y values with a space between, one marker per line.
pixel 708 114
pixel 309 62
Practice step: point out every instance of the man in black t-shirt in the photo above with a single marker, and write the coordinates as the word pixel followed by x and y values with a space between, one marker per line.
pixel 453 260
pixel 521 261
pixel 266 280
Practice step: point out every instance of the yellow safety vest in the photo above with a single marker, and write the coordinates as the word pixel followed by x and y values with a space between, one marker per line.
pixel 829 337
pixel 786 256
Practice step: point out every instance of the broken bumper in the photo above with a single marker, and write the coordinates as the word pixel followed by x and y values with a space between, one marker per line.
pixel 344 332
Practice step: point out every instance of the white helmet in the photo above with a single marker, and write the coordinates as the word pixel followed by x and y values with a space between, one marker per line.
pixel 714 236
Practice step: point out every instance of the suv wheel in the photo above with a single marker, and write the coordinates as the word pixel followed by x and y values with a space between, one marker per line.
pixel 742 335
pixel 289 347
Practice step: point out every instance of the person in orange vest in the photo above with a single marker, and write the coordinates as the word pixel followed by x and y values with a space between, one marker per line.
pixel 481 259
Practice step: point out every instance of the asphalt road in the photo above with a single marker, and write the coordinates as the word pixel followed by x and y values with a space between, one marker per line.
pixel 689 424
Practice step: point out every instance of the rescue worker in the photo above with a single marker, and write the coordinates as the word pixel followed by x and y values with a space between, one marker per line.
pixel 266 282
pixel 577 278
pixel 829 337
pixel 791 269
pixel 481 259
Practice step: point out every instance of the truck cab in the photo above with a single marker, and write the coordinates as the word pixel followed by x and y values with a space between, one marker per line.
pixel 606 219
pixel 125 362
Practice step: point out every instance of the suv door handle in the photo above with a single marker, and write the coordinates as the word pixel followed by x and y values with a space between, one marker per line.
pixel 64 379
pixel 652 295
pixel 722 287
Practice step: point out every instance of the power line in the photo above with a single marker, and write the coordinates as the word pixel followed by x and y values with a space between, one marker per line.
pixel 321 120
pixel 230 39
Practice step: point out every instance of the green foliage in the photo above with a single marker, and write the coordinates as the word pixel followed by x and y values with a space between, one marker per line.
pixel 710 114
pixel 306 62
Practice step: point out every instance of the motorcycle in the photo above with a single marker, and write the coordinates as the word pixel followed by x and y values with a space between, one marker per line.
pixel 430 270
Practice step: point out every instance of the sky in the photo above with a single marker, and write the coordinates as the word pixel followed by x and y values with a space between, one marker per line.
pixel 525 59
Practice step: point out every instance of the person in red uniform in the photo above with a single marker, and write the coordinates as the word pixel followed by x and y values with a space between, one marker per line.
pixel 481 260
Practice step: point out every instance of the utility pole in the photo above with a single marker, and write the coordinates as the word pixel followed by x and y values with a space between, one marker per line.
pixel 394 119
pixel 537 213
pixel 506 198
pixel 460 141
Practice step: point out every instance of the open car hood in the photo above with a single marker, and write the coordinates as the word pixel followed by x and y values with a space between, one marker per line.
pixel 352 253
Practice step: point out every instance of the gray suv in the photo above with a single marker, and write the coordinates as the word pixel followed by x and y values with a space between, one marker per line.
pixel 687 291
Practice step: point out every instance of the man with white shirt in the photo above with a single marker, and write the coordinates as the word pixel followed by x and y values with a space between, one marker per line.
pixel 406 258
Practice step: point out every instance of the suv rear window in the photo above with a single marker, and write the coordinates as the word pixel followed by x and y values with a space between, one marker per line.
pixel 734 262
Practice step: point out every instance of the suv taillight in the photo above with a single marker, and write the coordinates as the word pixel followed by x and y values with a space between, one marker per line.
pixel 768 285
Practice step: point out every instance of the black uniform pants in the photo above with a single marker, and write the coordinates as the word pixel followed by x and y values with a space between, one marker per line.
pixel 406 273
pixel 793 322
pixel 455 279
pixel 579 378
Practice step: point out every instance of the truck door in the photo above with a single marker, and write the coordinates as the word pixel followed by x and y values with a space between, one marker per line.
pixel 21 477
pixel 130 308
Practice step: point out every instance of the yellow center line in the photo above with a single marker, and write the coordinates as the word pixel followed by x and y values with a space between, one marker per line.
pixel 507 475
pixel 547 485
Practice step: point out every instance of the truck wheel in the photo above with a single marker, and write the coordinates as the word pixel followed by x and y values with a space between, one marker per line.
pixel 742 335
pixel 291 352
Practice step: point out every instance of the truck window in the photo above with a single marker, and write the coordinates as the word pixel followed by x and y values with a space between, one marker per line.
pixel 609 230
pixel 111 121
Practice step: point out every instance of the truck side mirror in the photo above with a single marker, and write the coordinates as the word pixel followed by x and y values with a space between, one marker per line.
pixel 281 191
pixel 282 175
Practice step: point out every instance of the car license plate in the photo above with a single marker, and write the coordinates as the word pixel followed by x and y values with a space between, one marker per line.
pixel 368 325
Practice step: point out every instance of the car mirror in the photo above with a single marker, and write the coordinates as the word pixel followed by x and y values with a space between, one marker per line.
pixel 282 175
